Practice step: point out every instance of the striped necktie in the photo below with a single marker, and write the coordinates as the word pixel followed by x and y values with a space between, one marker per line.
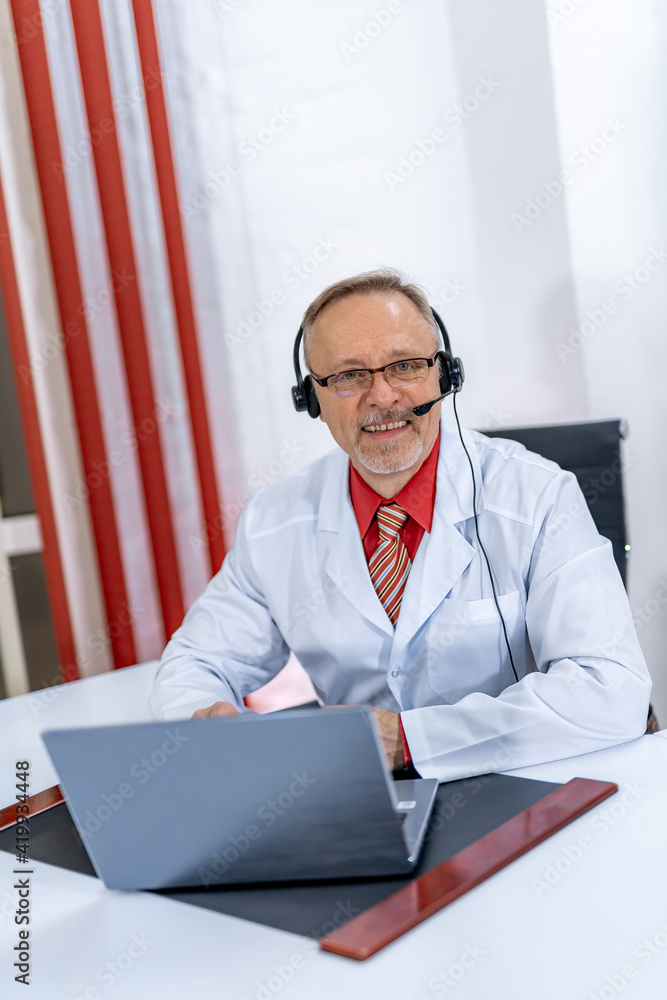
pixel 390 563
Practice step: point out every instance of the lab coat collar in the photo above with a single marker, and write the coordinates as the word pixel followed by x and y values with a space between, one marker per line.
pixel 442 556
pixel 454 490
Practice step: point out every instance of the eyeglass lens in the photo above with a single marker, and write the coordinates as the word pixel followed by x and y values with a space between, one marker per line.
pixel 355 382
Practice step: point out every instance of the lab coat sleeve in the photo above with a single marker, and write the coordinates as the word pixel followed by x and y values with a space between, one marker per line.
pixel 228 644
pixel 591 688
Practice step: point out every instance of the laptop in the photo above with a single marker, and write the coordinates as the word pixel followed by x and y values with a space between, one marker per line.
pixel 302 794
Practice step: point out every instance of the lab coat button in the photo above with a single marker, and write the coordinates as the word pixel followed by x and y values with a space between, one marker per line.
pixel 394 673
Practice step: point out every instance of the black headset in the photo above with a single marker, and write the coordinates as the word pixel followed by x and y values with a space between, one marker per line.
pixel 452 374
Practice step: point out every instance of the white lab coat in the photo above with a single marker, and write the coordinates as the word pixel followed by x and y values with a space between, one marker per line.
pixel 297 579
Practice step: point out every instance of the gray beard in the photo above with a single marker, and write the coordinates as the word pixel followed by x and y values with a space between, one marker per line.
pixel 388 459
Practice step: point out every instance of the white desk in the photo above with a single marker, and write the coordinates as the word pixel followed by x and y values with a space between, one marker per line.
pixel 561 923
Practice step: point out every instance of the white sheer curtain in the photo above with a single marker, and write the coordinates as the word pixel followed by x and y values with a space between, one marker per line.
pixel 610 77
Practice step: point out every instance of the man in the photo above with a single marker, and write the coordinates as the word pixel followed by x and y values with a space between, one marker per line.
pixel 367 565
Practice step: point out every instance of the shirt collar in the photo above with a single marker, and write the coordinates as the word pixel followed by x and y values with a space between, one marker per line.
pixel 417 496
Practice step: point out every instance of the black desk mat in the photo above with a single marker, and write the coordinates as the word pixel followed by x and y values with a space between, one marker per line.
pixel 464 811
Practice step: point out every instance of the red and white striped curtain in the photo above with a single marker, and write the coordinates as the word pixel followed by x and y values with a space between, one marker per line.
pixel 104 332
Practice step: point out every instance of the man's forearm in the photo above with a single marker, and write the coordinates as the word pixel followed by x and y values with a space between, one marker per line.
pixel 574 710
pixel 182 686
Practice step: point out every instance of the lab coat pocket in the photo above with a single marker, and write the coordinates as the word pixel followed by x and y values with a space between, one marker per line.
pixel 466 646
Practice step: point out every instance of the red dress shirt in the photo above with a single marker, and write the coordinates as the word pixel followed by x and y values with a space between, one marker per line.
pixel 417 498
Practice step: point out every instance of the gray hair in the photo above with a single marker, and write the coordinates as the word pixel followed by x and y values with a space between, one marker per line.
pixel 384 279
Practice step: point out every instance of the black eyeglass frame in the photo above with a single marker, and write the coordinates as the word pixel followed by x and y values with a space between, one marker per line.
pixel 373 371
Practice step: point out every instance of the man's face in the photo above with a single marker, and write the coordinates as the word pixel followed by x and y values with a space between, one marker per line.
pixel 367 331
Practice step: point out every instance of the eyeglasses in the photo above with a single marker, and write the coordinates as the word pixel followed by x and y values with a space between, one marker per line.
pixel 357 381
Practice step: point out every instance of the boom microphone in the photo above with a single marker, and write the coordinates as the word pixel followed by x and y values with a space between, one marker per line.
pixel 422 410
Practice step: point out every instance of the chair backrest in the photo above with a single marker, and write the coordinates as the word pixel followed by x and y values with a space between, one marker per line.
pixel 592 451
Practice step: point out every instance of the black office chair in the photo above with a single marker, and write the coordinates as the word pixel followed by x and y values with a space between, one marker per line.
pixel 592 451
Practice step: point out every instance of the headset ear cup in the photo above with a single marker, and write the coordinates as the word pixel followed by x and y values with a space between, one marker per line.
pixel 457 374
pixel 298 398
pixel 312 402
pixel 443 368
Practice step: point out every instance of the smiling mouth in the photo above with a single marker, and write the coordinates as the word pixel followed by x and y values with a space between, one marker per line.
pixel 381 428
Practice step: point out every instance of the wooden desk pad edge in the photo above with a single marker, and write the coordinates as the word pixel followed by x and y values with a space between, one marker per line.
pixel 37 803
pixel 378 926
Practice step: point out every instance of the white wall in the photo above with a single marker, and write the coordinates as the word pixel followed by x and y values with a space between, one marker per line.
pixel 609 62
pixel 511 257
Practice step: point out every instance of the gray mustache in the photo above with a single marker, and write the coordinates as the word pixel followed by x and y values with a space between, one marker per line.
pixel 386 418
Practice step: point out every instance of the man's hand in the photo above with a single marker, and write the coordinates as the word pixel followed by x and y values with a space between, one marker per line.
pixel 220 708
pixel 387 725
pixel 390 733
